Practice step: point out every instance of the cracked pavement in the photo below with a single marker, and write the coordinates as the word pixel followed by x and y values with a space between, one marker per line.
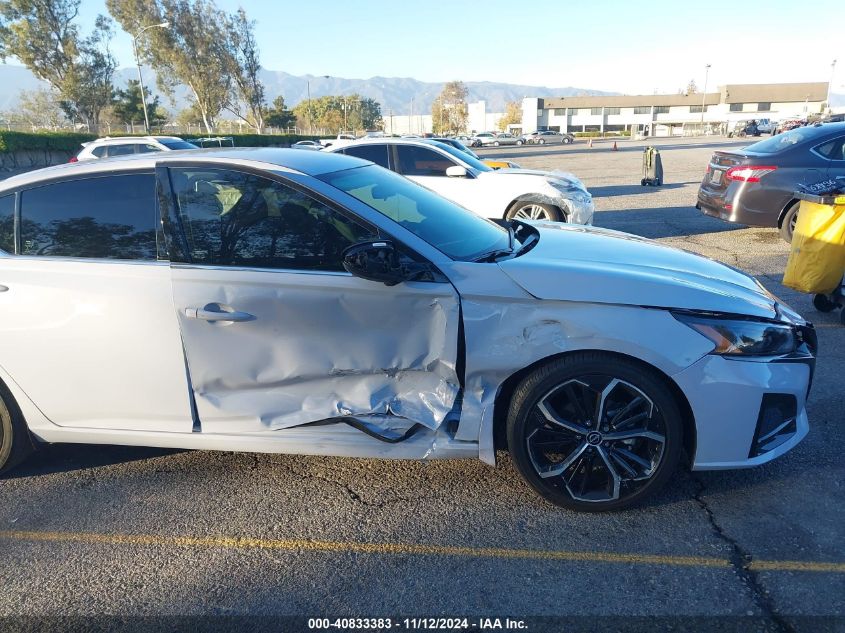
pixel 788 510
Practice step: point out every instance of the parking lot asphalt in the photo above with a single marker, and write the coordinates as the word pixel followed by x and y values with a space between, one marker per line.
pixel 88 530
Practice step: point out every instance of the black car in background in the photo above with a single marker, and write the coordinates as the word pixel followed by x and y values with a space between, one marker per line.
pixel 755 185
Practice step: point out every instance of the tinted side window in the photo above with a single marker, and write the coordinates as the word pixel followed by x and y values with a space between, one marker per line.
pixel 7 223
pixel 833 150
pixel 233 218
pixel 111 218
pixel 374 153
pixel 121 150
pixel 146 149
pixel 99 152
pixel 420 161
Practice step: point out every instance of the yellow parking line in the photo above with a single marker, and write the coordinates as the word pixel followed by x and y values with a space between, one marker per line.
pixel 304 545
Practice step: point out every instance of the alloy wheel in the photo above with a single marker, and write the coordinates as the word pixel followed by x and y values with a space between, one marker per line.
pixel 596 437
pixel 532 212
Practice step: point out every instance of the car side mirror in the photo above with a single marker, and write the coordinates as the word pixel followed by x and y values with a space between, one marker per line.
pixel 456 171
pixel 375 260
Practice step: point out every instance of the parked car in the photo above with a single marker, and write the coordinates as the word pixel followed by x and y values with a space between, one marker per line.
pixel 766 126
pixel 307 145
pixel 505 138
pixel 315 303
pixel 483 138
pixel 789 124
pixel 457 144
pixel 755 185
pixel 109 146
pixel 498 194
pixel 744 128
pixel 548 136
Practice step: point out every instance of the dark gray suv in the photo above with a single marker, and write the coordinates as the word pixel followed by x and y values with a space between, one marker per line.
pixel 755 185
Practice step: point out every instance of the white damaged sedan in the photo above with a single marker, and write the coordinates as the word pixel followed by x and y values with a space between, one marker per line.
pixel 520 194
pixel 302 302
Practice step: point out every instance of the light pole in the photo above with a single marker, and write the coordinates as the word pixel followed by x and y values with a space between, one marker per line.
pixel 704 95
pixel 310 110
pixel 830 84
pixel 135 37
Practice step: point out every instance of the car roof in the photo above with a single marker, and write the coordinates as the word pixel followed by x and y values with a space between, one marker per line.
pixel 308 163
pixel 136 139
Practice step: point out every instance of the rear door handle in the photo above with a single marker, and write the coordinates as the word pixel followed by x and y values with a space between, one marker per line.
pixel 3 288
pixel 215 312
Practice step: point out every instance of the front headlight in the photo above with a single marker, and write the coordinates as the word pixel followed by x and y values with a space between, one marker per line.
pixel 573 187
pixel 736 337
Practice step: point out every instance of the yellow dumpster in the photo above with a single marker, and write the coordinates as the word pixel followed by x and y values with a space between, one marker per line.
pixel 817 254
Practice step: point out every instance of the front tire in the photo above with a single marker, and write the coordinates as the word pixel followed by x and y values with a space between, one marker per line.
pixel 519 142
pixel 542 141
pixel 790 218
pixel 15 444
pixel 526 210
pixel 566 140
pixel 495 143
pixel 594 432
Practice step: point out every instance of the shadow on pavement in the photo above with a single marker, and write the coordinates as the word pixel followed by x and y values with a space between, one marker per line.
pixel 634 189
pixel 60 458
pixel 663 222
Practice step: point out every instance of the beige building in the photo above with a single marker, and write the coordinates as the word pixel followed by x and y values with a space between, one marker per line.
pixel 674 115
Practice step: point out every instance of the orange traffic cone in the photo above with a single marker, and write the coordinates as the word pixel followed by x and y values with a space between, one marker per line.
pixel 614 146
pixel 590 143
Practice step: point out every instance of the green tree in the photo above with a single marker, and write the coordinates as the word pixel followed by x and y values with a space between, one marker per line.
pixel 337 113
pixel 449 111
pixel 43 35
pixel 246 100
pixel 512 115
pixel 40 108
pixel 194 51
pixel 128 107
pixel 278 114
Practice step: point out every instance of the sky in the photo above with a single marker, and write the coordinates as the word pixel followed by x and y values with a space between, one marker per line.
pixel 632 47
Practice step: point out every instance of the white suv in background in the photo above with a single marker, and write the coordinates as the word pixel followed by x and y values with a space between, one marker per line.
pixel 123 145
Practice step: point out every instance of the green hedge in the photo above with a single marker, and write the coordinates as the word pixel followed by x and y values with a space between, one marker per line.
pixel 42 141
pixel 71 142
pixel 259 140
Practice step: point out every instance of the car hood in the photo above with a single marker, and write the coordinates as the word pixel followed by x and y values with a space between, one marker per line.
pixel 561 176
pixel 576 263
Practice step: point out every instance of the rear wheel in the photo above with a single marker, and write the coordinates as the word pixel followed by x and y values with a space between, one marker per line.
pixel 495 143
pixel 542 141
pixel 823 303
pixel 525 210
pixel 15 444
pixel 787 225
pixel 519 142
pixel 594 432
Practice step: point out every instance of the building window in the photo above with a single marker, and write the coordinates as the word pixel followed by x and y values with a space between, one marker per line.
pixel 595 110
pixel 764 106
pixel 642 110
pixel 612 111
pixel 696 109
pixel 560 111
pixel 539 114
pixel 661 109
pixel 737 107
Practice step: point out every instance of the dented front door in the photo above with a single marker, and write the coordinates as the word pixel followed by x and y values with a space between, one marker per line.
pixel 277 335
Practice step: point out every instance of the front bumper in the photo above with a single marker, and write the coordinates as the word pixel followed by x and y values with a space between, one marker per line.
pixel 579 210
pixel 726 397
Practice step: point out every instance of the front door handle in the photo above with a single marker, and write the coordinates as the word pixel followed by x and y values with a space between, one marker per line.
pixel 216 312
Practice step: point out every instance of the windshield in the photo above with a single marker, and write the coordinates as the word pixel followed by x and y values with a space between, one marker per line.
pixel 450 228
pixel 781 142
pixel 470 160
pixel 169 144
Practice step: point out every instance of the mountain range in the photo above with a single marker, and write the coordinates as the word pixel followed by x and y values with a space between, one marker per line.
pixel 397 95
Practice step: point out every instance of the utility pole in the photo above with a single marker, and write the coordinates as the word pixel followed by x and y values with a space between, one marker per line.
pixel 830 84
pixel 704 96
pixel 135 37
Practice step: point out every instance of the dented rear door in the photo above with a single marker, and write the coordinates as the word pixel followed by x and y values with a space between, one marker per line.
pixel 277 334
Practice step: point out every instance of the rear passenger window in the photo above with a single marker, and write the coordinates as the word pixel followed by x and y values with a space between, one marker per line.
pixel 7 223
pixel 99 152
pixel 113 217
pixel 121 150
pixel 833 150
pixel 374 153
pixel 146 149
